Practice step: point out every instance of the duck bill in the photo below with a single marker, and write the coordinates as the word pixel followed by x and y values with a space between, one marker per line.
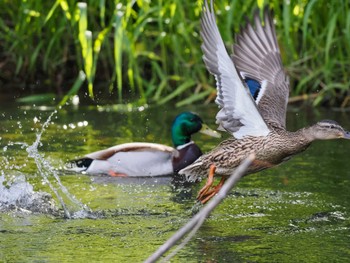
pixel 206 130
pixel 346 135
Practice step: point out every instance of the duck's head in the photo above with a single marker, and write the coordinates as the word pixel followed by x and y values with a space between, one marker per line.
pixel 328 129
pixel 186 124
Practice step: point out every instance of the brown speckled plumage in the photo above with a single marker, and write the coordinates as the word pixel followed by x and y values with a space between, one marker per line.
pixel 277 147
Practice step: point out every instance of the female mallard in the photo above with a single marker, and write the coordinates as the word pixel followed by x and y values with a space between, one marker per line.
pixel 252 110
pixel 148 159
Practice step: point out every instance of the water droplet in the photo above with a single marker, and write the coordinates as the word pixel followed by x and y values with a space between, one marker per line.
pixel 75 100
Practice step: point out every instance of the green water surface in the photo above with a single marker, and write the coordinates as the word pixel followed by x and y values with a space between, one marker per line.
pixel 296 212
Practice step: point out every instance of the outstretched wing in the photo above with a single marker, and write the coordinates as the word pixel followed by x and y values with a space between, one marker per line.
pixel 238 112
pixel 257 58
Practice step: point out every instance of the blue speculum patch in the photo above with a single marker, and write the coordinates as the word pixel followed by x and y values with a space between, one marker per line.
pixel 254 87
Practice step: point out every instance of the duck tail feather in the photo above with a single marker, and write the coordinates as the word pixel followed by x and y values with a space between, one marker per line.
pixel 79 165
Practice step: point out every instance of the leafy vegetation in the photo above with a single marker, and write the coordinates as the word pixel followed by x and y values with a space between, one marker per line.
pixel 149 51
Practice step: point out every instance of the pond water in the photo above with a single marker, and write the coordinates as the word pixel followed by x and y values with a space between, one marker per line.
pixel 296 212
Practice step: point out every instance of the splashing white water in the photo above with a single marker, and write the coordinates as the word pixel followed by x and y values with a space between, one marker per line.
pixel 46 169
pixel 20 195
pixel 21 191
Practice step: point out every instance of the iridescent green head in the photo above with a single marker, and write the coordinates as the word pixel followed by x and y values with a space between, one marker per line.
pixel 184 125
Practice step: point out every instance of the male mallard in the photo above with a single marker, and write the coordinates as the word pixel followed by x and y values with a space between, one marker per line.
pixel 148 159
pixel 252 110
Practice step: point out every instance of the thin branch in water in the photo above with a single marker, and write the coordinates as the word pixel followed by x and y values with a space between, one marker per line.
pixel 196 221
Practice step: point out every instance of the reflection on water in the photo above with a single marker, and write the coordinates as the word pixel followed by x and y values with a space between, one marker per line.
pixel 284 214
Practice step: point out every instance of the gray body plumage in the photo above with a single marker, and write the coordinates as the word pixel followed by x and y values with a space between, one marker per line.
pixel 136 159
pixel 135 164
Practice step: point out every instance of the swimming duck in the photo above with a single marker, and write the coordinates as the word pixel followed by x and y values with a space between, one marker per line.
pixel 252 94
pixel 141 159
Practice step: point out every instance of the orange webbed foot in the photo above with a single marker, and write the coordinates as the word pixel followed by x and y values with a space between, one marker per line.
pixel 208 191
pixel 208 184
pixel 115 174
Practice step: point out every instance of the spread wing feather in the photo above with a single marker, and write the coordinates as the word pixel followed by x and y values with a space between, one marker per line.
pixel 257 56
pixel 238 112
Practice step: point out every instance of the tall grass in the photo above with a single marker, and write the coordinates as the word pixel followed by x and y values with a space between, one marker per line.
pixel 316 48
pixel 149 51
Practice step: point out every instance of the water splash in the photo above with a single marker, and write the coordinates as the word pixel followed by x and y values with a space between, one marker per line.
pixel 46 170
pixel 19 195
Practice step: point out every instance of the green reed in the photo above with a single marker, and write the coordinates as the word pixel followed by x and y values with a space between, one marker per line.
pixel 149 51
pixel 316 49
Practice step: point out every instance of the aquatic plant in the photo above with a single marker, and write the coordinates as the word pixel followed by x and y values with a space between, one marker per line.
pixel 149 51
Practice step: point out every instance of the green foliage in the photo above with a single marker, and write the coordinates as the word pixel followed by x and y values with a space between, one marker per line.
pixel 149 51
pixel 316 48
